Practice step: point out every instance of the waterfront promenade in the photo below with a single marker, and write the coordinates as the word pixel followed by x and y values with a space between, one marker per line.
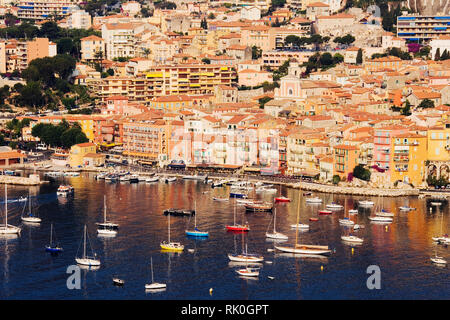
pixel 276 180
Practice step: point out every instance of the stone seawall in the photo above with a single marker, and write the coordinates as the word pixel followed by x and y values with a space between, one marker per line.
pixel 32 180
pixel 355 190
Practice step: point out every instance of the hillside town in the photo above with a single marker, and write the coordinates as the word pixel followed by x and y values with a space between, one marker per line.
pixel 308 89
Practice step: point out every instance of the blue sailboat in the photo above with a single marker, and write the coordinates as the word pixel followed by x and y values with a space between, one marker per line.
pixel 196 232
pixel 52 248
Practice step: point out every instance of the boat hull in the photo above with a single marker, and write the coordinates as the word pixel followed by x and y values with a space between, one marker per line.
pixel 303 250
pixel 197 234
pixel 88 262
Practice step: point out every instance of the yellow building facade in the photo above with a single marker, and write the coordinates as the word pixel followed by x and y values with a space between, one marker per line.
pixel 408 159
pixel 78 152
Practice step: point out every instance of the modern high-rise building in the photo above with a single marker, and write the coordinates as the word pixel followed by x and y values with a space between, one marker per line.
pixel 415 27
pixel 43 9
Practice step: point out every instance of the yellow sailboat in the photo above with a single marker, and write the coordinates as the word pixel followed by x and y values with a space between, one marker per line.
pixel 171 246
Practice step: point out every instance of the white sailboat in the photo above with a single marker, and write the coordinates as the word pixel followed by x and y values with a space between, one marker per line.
pixel 437 259
pixel 382 212
pixel 154 285
pixel 303 248
pixel 105 227
pixel 168 245
pixel 313 200
pixel 30 217
pixel 7 228
pixel 275 234
pixel 346 220
pixel 87 260
pixel 443 238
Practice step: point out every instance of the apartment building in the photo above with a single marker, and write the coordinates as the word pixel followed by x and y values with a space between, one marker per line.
pixel 417 27
pixel 17 54
pixel 92 48
pixel 79 19
pixel 120 39
pixel 408 159
pixel 166 80
pixel 43 9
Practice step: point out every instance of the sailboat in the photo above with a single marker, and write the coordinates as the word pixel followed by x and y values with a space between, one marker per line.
pixel 350 238
pixel 382 212
pixel 380 218
pixel 303 248
pixel 245 256
pixel 196 232
pixel 30 217
pixel 171 246
pixel 275 234
pixel 444 238
pixel 7 228
pixel 154 285
pixel 282 198
pixel 106 228
pixel 436 259
pixel 87 260
pixel 346 220
pixel 334 206
pixel 53 248
pixel 237 227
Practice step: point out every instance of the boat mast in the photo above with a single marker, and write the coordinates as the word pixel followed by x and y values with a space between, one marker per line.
pixel 51 229
pixel 168 226
pixel 84 243
pixel 274 219
pixel 6 206
pixel 298 213
pixel 195 215
pixel 151 262
pixel 104 206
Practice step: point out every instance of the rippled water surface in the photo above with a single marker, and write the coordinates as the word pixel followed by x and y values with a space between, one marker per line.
pixel 401 250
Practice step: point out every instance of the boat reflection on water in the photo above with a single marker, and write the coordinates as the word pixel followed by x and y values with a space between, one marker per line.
pixel 312 257
pixel 233 264
pixel 276 240
pixel 88 268
pixel 155 290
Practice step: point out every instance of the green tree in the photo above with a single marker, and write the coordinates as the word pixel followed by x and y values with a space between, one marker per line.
pixel 361 173
pixel 426 103
pixel 437 55
pixel 336 179
pixel 256 52
pixel 359 56
pixel 338 58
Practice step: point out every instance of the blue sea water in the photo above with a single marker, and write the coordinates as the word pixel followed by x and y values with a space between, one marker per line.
pixel 402 250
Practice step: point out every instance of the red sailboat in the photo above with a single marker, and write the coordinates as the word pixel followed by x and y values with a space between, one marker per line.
pixel 282 198
pixel 321 212
pixel 237 227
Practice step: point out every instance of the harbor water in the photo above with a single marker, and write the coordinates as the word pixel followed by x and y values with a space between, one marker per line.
pixel 401 250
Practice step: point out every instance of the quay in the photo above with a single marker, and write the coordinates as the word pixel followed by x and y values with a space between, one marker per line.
pixel 285 181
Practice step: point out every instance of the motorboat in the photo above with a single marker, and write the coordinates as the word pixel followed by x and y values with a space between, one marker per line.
pixel 346 222
pixel 248 272
pixel 366 203
pixel 352 238
pixel 65 190
pixel 313 200
pixel 438 260
pixel 353 211
pixel 220 199
pixel 406 208
pixel 179 212
pixel 334 206
pixel 118 282
pixel 325 212
pixel 258 207
pixel 380 219
pixel 300 226
pixel 282 199
pixel 152 179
